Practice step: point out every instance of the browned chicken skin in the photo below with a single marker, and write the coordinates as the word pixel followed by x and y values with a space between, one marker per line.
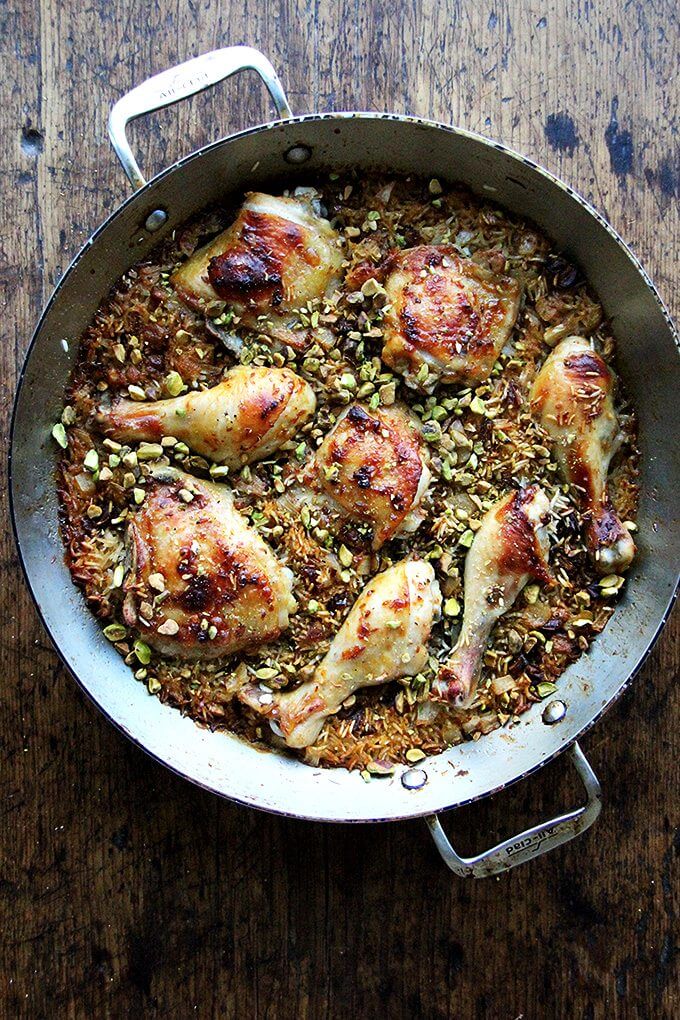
pixel 202 583
pixel 276 256
pixel 509 549
pixel 448 316
pixel 245 418
pixel 572 398
pixel 372 469
pixel 384 637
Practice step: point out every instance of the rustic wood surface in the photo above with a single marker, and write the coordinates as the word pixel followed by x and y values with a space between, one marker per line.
pixel 127 892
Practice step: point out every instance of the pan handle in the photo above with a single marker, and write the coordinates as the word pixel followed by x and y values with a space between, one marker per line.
pixel 530 843
pixel 176 84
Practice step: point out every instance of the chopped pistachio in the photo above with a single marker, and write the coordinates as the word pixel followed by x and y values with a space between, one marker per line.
pixel 466 539
pixel 388 393
pixel 300 451
pixel 371 287
pixel 115 632
pixel 451 607
pixel 157 581
pixel 91 461
pixel 173 383
pixel 170 627
pixel 138 495
pixel 142 651
pixel 136 392
pixel 219 471
pixel 531 593
pixel 545 688
pixel 345 556
pixel 153 685
pixel 149 451
pixel 186 495
pixel 374 402
pixel 477 406
pixel 422 373
pixel 68 415
pixel 266 673
pixel 414 754
pixel 59 435
pixel 434 187
pixel 380 768
pixel 432 432
pixel 93 511
pixel 313 606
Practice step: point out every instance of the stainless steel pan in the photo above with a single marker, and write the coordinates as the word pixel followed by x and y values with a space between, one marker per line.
pixel 648 358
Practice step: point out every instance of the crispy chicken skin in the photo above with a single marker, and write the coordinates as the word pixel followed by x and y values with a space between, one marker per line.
pixel 276 256
pixel 384 637
pixel 372 469
pixel 245 418
pixel 572 398
pixel 202 582
pixel 447 313
pixel 509 549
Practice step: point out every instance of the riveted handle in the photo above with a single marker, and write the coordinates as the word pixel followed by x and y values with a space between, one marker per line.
pixel 177 83
pixel 530 843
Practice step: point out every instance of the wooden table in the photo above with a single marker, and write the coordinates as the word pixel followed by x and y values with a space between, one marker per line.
pixel 126 891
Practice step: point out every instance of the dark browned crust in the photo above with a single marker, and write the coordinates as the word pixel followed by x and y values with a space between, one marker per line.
pixel 250 271
pixel 520 549
pixel 382 490
pixel 438 323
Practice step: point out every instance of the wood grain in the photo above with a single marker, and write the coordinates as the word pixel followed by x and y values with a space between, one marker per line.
pixel 126 891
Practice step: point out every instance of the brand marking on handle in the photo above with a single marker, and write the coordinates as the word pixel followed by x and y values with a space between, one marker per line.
pixel 185 85
pixel 528 841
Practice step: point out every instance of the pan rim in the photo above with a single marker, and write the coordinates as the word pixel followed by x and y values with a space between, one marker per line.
pixel 197 154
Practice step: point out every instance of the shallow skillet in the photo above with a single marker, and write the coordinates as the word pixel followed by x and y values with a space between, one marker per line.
pixel 648 362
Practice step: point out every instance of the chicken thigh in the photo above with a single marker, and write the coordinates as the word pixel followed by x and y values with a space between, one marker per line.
pixel 384 637
pixel 371 469
pixel 276 256
pixel 447 318
pixel 202 582
pixel 246 417
pixel 572 398
pixel 510 548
